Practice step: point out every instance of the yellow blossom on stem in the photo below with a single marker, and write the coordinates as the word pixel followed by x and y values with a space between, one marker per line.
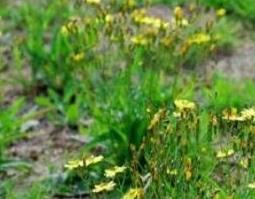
pixel 199 38
pixel 140 40
pixel 232 115
pixel 131 3
pixel 105 186
pixel 225 153
pixel 110 173
pixel 184 105
pixel 248 113
pixel 109 18
pixel 74 164
pixel 97 2
pixel 244 163
pixel 156 118
pixel 178 12
pixel 78 57
pixel 135 193
pixel 173 172
pixel 251 185
pixel 93 160
pixel 220 12
pixel 64 30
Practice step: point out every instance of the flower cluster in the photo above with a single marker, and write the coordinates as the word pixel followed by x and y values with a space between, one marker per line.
pixel 233 115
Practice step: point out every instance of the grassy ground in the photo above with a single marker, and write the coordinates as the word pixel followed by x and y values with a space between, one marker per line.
pixel 151 99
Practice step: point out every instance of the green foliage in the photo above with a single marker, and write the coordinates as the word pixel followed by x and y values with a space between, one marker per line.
pixel 8 128
pixel 104 70
pixel 241 8
pixel 224 93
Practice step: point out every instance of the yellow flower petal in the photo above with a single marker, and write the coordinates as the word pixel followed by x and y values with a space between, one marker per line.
pixel 251 185
pixel 74 164
pixel 93 159
pixel 135 193
pixel 184 104
pixel 220 12
pixel 105 186
pixel 224 154
pixel 110 173
pixel 93 2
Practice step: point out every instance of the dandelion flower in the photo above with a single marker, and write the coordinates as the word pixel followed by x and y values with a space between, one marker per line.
pixel 188 174
pixel 220 12
pixel 74 164
pixel 97 2
pixel 184 105
pixel 78 57
pixel 177 114
pixel 251 185
pixel 173 172
pixel 248 113
pixel 109 18
pixel 178 12
pixel 156 118
pixel 231 115
pixel 64 30
pixel 110 173
pixel 140 40
pixel 244 163
pixel 225 153
pixel 93 160
pixel 105 186
pixel 131 3
pixel 135 193
pixel 199 38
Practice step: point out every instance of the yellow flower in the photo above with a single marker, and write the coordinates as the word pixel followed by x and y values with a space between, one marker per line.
pixel 244 163
pixel 173 172
pixel 97 2
pixel 248 113
pixel 251 185
pixel 156 118
pixel 177 114
pixel 78 57
pixel 64 30
pixel 165 25
pixel 109 18
pixel 214 120
pixel 184 105
pixel 231 115
pixel 199 38
pixel 135 193
pixel 188 174
pixel 105 186
pixel 150 21
pixel 178 12
pixel 131 3
pixel 220 12
pixel 138 15
pixel 225 153
pixel 140 40
pixel 74 164
pixel 188 168
pixel 110 173
pixel 93 160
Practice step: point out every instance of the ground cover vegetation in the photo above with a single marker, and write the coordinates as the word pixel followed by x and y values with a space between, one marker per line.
pixel 118 99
